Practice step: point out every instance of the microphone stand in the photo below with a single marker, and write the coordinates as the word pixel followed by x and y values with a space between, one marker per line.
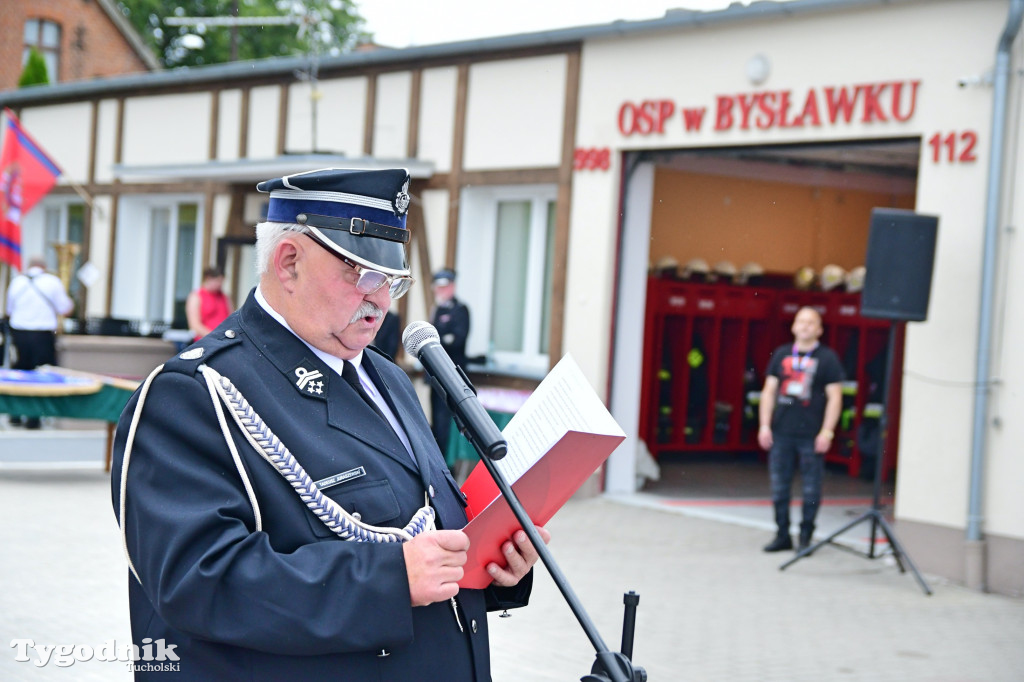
pixel 609 666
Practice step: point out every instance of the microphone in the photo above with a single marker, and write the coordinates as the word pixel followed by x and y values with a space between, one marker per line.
pixel 421 341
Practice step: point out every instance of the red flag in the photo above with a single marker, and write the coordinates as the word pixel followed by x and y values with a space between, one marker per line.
pixel 26 175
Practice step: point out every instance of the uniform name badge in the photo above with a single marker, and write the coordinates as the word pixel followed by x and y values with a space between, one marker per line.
pixel 338 479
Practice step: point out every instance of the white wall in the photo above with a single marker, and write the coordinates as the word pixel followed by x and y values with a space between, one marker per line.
pixel 437 116
pixel 340 116
pixel 106 140
pixel 1003 466
pixel 264 112
pixel 166 129
pixel 229 123
pixel 391 117
pixel 514 113
pixel 63 131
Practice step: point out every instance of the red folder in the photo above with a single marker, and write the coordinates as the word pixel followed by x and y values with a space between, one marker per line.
pixel 542 490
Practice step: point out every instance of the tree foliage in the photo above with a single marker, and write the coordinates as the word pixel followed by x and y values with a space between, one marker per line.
pixel 323 26
pixel 35 72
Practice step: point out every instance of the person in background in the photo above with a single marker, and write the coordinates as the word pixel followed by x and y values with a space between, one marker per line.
pixel 207 306
pixel 284 508
pixel 800 406
pixel 35 301
pixel 451 319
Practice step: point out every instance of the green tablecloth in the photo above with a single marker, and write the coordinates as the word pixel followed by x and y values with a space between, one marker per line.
pixel 105 404
pixel 460 449
pixel 61 392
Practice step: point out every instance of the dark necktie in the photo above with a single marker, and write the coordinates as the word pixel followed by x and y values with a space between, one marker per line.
pixel 351 375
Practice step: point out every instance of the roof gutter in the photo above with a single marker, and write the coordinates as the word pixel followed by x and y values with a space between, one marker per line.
pixel 982 390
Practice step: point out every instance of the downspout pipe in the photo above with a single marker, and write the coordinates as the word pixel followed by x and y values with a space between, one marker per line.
pixel 1001 82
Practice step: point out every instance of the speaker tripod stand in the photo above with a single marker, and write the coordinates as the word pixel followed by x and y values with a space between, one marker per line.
pixel 874 515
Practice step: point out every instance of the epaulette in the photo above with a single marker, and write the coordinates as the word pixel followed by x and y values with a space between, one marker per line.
pixel 189 360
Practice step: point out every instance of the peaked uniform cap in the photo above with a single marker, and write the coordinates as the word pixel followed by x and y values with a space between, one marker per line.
pixel 359 214
pixel 444 276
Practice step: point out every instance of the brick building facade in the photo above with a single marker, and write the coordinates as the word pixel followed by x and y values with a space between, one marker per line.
pixel 81 39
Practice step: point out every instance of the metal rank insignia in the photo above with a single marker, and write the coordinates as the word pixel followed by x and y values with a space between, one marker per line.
pixel 402 200
pixel 310 382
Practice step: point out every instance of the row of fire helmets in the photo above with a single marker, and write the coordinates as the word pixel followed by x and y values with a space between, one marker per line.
pixel 697 270
pixel 831 278
pixel 855 279
pixel 748 274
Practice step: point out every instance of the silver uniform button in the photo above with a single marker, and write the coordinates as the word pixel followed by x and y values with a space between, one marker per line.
pixel 430 490
pixel 230 333
pixel 357 516
pixel 472 624
pixel 384 653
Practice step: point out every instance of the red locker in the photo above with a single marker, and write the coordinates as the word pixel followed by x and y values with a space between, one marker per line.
pixel 706 347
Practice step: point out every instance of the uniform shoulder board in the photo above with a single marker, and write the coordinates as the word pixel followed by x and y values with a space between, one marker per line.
pixel 188 360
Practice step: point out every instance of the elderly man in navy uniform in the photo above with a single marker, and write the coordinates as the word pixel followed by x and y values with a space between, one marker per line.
pixel 451 319
pixel 285 512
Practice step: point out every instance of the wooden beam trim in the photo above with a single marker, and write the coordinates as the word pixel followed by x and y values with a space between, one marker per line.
pixel 370 113
pixel 114 201
pixel 412 142
pixel 416 221
pixel 282 119
pixel 455 180
pixel 243 125
pixel 119 135
pixel 93 143
pixel 563 207
pixel 524 176
pixel 208 198
pixel 211 150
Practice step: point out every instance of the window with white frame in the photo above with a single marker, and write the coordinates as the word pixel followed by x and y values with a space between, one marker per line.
pixel 504 264
pixel 44 36
pixel 64 223
pixel 173 249
pixel 157 261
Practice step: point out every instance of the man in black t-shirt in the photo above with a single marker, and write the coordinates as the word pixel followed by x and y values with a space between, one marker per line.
pixel 800 405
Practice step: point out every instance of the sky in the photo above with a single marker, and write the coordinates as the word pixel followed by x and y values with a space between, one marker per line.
pixel 405 23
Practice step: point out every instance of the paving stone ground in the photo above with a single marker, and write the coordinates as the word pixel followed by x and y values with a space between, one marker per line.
pixel 713 607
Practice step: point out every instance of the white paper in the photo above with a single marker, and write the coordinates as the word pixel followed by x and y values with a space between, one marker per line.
pixel 564 401
pixel 88 274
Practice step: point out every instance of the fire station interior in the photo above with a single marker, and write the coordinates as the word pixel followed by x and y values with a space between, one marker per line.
pixel 741 238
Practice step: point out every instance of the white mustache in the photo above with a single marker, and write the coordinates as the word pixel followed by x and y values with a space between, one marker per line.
pixel 366 309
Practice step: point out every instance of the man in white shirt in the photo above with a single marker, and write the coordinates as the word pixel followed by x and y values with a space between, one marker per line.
pixel 35 300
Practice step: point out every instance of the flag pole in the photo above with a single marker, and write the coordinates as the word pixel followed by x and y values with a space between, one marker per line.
pixel 5 325
pixel 86 197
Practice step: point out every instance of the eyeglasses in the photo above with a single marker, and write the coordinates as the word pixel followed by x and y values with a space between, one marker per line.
pixel 370 281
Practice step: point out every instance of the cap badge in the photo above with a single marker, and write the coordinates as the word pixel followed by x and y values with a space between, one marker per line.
pixel 402 200
pixel 308 380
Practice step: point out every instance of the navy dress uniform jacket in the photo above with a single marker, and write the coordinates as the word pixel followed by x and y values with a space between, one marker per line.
pixel 290 601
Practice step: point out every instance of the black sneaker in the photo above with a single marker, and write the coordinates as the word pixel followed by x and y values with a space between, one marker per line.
pixel 779 544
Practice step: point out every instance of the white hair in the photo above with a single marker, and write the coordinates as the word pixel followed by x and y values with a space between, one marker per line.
pixel 268 236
